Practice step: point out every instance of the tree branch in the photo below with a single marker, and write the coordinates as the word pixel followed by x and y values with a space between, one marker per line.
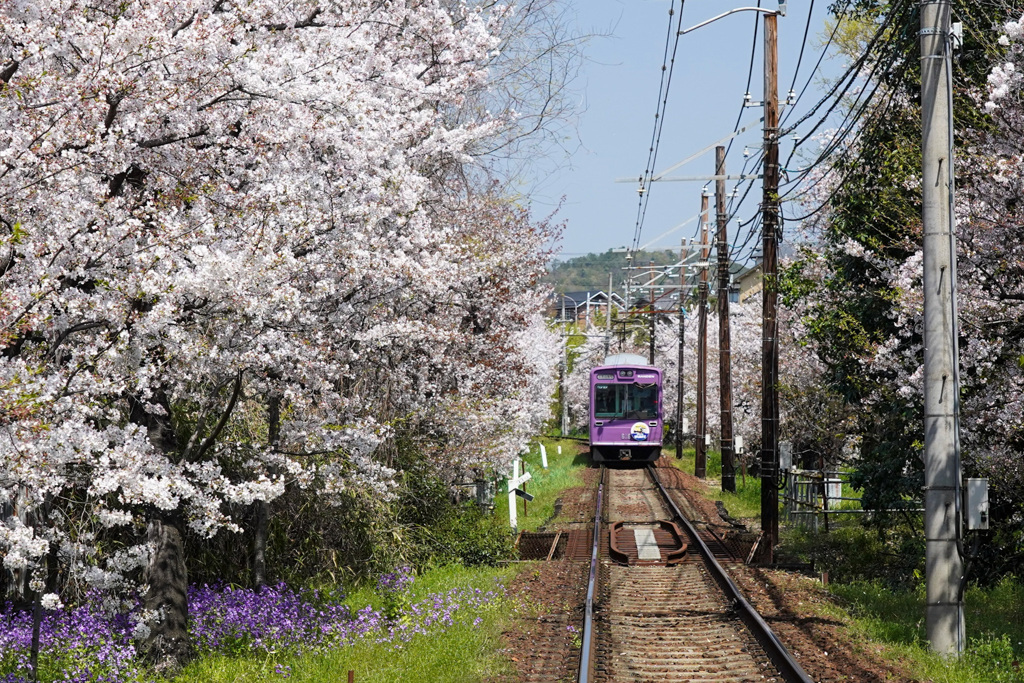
pixel 8 71
pixel 225 416
pixel 171 139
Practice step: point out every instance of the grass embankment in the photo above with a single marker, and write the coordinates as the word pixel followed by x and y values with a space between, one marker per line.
pixel 467 650
pixel 745 503
pixel 444 626
pixel 893 619
pixel 564 471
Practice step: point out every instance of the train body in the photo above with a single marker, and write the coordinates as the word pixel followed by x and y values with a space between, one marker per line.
pixel 626 421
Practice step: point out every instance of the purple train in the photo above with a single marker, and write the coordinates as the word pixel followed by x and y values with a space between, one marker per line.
pixel 625 410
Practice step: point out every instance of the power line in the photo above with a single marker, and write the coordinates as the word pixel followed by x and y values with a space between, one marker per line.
pixel 665 84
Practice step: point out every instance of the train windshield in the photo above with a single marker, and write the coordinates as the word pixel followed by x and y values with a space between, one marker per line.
pixel 627 401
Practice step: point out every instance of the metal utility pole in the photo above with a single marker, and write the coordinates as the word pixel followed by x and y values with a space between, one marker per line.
pixel 724 352
pixel 701 428
pixel 770 295
pixel 650 297
pixel 682 345
pixel 944 569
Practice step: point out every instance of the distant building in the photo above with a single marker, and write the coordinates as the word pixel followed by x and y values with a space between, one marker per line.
pixel 746 281
pixel 589 307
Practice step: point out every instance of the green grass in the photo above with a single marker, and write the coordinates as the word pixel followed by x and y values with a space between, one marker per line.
pixel 461 653
pixel 995 629
pixel 564 471
pixel 744 504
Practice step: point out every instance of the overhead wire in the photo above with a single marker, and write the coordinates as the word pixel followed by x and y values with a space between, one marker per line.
pixel 750 79
pixel 803 44
pixel 821 57
pixel 855 111
pixel 659 120
pixel 736 127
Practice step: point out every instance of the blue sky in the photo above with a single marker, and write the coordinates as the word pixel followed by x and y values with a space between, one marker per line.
pixel 618 89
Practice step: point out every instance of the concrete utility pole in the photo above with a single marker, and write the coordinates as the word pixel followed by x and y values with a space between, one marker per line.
pixel 724 352
pixel 701 428
pixel 769 296
pixel 682 345
pixel 944 569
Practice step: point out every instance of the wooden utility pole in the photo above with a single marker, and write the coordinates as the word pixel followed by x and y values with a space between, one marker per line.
pixel 724 352
pixel 769 296
pixel 650 297
pixel 944 564
pixel 608 325
pixel 682 345
pixel 700 468
pixel 562 393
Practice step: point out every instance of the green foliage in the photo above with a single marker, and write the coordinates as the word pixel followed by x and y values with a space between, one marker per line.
pixel 890 556
pixel 439 531
pixel 468 536
pixel 590 272
pixel 993 659
pixel 896 618
pixel 877 205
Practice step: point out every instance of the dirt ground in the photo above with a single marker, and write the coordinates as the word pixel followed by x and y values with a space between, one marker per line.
pixel 544 642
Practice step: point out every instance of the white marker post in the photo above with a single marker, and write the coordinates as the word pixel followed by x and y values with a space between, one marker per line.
pixel 544 456
pixel 559 449
pixel 513 484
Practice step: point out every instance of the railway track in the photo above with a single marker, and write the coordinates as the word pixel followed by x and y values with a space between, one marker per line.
pixel 659 606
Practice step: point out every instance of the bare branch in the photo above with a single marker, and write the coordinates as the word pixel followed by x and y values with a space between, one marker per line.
pixel 225 416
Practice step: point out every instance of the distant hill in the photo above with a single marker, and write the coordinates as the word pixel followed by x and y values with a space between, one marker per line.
pixel 590 272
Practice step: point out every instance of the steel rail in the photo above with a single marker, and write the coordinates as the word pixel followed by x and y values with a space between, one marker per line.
pixel 791 671
pixel 587 637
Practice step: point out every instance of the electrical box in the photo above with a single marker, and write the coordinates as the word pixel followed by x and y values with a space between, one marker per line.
pixel 977 504
pixel 785 456
pixel 738 443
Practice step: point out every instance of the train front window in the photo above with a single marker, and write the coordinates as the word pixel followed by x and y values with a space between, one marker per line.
pixel 626 401
pixel 643 401
pixel 610 400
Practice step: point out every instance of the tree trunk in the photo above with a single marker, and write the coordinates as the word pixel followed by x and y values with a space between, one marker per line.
pixel 259 543
pixel 167 647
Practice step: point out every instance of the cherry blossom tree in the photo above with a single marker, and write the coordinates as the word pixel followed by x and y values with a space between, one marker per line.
pixel 858 288
pixel 232 261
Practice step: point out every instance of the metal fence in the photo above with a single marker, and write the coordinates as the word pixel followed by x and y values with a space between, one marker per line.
pixel 811 497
